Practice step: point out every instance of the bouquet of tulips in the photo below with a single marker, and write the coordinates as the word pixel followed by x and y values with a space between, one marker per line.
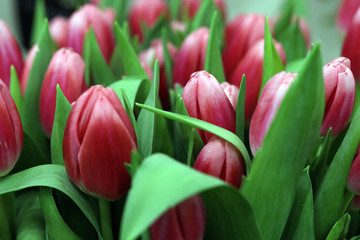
pixel 168 121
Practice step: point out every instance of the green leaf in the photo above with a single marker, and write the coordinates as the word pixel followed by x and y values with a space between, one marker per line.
pixel 37 26
pixel 202 17
pixel 55 225
pixel 340 229
pixel 329 198
pixel 272 61
pixel 240 110
pixel 146 119
pixel 15 89
pixel 300 224
pixel 167 60
pixel 156 32
pixel 96 69
pixel 275 170
pixel 213 61
pixel 129 109
pixel 62 111
pixel 216 130
pixel 285 19
pixel 191 146
pixel 161 182
pixel 119 6
pixel 174 6
pixel 53 176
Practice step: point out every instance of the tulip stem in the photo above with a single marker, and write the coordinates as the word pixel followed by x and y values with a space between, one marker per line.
pixel 105 217
pixel 7 216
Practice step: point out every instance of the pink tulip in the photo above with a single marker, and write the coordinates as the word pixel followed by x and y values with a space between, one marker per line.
pixel 205 99
pixel 346 13
pixel 190 7
pixel 232 92
pixel 59 28
pixel 98 141
pixel 66 68
pixel 27 67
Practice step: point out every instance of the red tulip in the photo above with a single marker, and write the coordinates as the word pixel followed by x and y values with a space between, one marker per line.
pixel 190 7
pixel 186 221
pixel 221 159
pixel 11 132
pixel 146 13
pixel 269 103
pixel 232 92
pixel 252 66
pixel 205 99
pixel 346 13
pixel 191 56
pixel 98 141
pixel 10 53
pixel 80 22
pixel 339 95
pixel 66 68
pixel 59 28
pixel 27 67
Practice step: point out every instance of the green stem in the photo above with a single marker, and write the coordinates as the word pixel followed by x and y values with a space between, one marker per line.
pixel 7 216
pixel 105 217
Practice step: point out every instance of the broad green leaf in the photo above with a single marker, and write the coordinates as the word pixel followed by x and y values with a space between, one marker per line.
pixel 295 66
pixel 116 64
pixel 15 89
pixel 340 229
pixel 96 68
pixel 55 226
pixel 329 198
pixel 161 182
pixel 272 61
pixel 300 224
pixel 37 25
pixel 240 110
pixel 129 58
pixel 62 111
pixel 275 171
pixel 218 131
pixel 213 61
pixel 285 19
pixel 53 176
pixel 202 16
pixel 146 119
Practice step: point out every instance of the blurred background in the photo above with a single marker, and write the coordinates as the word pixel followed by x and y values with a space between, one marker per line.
pixel 319 13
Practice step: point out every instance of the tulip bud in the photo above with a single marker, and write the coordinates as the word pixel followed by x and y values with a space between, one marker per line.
pixel 351 47
pixel 269 103
pixel 191 56
pixel 11 133
pixel 204 99
pixel 27 67
pixel 66 68
pixel 186 221
pixel 346 13
pixel 190 7
pixel 148 56
pixel 252 66
pixel 98 141
pixel 59 28
pixel 10 53
pixel 110 13
pixel 80 22
pixel 240 35
pixel 339 95
pixel 221 159
pixel 353 182
pixel 146 12
pixel 232 92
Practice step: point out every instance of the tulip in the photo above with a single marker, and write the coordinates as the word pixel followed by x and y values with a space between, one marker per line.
pixel 221 159
pixel 148 56
pixel 232 92
pixel 98 141
pixel 190 7
pixel 339 95
pixel 66 68
pixel 147 69
pixel 186 221
pixel 191 56
pixel 240 35
pixel 11 132
pixel 79 24
pixel 59 28
pixel 110 13
pixel 346 13
pixel 204 99
pixel 10 53
pixel 270 100
pixel 355 203
pixel 353 182
pixel 252 66
pixel 351 47
pixel 146 12
pixel 27 67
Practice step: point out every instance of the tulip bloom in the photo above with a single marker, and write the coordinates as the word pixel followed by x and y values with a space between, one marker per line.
pixel 346 13
pixel 80 22
pixel 339 95
pixel 191 56
pixel 98 141
pixel 66 68
pixel 240 35
pixel 252 66
pixel 221 159
pixel 10 53
pixel 27 67
pixel 204 99
pixel 353 182
pixel 59 28
pixel 190 7
pixel 11 132
pixel 232 92
pixel 269 103
pixel 146 12
pixel 186 221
